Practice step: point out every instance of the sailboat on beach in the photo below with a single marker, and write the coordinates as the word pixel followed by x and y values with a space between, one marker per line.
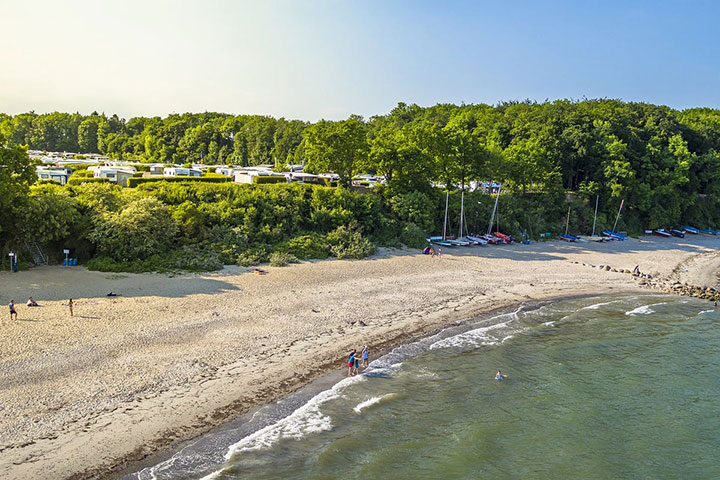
pixel 442 240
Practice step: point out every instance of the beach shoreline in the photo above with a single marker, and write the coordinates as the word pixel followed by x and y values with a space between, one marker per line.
pixel 173 358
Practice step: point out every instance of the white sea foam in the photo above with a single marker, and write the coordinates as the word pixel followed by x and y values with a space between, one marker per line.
pixel 596 305
pixel 370 401
pixel 306 419
pixel 706 311
pixel 644 310
pixel 476 337
pixel 479 336
pixel 213 475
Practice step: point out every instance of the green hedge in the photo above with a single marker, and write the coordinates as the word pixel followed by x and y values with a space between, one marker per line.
pixel 80 180
pixel 134 182
pixel 268 179
pixel 79 166
pixel 321 181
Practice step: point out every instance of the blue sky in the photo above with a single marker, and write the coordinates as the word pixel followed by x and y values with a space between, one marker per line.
pixel 331 58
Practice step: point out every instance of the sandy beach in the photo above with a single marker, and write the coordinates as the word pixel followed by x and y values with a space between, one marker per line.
pixel 174 356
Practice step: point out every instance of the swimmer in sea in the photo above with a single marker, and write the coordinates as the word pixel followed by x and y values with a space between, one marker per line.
pixel 499 376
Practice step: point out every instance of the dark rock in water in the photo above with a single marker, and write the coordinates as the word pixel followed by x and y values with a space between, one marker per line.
pixel 607 268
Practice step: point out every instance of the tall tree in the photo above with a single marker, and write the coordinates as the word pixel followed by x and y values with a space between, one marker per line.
pixel 16 175
pixel 88 135
pixel 339 147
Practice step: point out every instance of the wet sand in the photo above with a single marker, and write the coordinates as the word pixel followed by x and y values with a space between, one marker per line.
pixel 172 357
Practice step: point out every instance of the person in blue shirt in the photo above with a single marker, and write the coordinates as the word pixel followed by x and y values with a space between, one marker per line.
pixel 12 309
pixel 351 362
pixel 365 357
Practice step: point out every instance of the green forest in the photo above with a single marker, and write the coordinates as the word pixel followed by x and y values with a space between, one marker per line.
pixel 549 157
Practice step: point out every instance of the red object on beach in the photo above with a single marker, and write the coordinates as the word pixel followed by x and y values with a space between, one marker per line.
pixel 502 237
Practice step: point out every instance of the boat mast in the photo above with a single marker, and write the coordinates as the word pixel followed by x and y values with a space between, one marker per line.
pixel 447 198
pixel 567 223
pixel 622 202
pixel 597 199
pixel 492 217
pixel 462 213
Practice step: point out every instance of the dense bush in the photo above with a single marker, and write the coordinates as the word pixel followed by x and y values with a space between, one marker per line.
pixel 185 260
pixel 194 258
pixel 84 180
pixel 312 245
pixel 413 236
pixel 281 259
pixel 135 181
pixel 75 167
pixel 416 208
pixel 253 256
pixel 82 174
pixel 49 215
pixel 348 242
pixel 140 229
pixel 268 179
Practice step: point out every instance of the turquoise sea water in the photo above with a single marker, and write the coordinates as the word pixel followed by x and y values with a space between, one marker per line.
pixel 597 388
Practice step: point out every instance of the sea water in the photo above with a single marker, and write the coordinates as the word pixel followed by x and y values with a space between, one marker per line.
pixel 597 388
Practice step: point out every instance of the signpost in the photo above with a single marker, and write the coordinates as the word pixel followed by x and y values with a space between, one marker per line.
pixel 13 262
pixel 66 252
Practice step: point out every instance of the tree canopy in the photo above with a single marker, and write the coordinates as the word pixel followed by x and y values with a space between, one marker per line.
pixel 664 163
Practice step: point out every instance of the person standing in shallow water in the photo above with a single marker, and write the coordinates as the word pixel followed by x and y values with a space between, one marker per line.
pixel 356 370
pixel 365 357
pixel 351 362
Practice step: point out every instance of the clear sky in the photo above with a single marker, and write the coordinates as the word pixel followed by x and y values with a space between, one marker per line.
pixel 314 59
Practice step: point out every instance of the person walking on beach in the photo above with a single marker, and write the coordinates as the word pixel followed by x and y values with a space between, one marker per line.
pixel 70 305
pixel 351 362
pixel 365 357
pixel 12 309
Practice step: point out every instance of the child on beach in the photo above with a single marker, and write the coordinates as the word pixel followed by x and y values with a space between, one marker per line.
pixel 32 303
pixel 12 310
pixel 356 368
pixel 365 357
pixel 70 305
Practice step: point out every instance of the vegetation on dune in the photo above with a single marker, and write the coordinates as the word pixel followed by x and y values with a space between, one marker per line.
pixel 664 163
